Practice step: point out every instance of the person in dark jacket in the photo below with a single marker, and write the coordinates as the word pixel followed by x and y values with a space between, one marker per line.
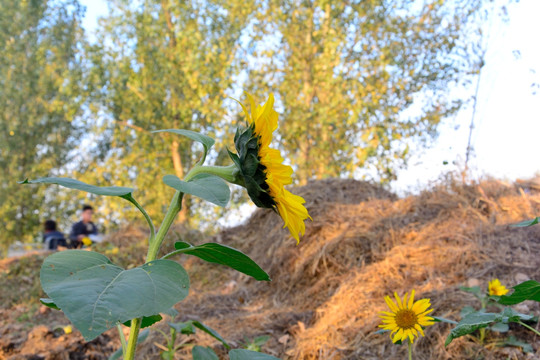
pixel 52 238
pixel 83 228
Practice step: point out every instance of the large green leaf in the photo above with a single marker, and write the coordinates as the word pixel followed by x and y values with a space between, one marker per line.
pixel 225 255
pixel 49 303
pixel 242 354
pixel 96 294
pixel 147 321
pixel 528 290
pixel 527 222
pixel 208 187
pixel 206 141
pixel 471 323
pixel 203 353
pixel 79 185
pixel 477 320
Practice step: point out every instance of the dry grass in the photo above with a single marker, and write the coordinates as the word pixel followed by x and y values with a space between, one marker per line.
pixel 363 244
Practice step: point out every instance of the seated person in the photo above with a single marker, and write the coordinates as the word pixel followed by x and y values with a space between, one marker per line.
pixel 52 238
pixel 83 228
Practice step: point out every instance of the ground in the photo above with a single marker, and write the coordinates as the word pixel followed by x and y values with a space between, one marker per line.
pixel 325 294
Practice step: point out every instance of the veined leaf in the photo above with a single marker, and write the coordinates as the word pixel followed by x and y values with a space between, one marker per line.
pixel 225 255
pixel 206 141
pixel 96 294
pixel 146 321
pixel 528 290
pixel 79 185
pixel 242 354
pixel 471 323
pixel 203 353
pixel 208 187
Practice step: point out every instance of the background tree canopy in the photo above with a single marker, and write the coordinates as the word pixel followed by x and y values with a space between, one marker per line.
pixel 357 82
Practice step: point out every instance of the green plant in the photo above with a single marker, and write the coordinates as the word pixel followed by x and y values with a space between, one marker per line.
pixel 256 343
pixel 96 294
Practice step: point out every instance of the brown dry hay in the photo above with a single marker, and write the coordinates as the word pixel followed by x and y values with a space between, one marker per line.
pixel 363 244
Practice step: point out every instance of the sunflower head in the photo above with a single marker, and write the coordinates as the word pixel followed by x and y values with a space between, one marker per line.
pixel 261 167
pixel 407 318
pixel 496 288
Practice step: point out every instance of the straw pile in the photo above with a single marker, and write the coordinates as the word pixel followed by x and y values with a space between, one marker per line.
pixel 365 243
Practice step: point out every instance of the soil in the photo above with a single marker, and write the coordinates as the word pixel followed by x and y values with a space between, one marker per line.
pixel 326 292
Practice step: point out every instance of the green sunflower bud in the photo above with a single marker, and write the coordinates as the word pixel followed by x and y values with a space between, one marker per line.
pixel 251 169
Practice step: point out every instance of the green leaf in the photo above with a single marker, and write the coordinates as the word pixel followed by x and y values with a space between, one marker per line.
pixel 528 290
pixel 210 332
pixel 49 303
pixel 242 354
pixel 471 323
pixel 118 353
pixel 225 255
pixel 510 315
pixel 512 341
pixel 203 353
pixel 96 294
pixel 441 319
pixel 466 311
pixel 79 185
pixel 206 141
pixel 499 327
pixel 146 321
pixel 185 328
pixel 208 187
pixel 527 222
pixel 473 290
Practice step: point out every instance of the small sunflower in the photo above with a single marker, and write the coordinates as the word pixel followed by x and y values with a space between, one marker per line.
pixel 262 168
pixel 496 288
pixel 407 318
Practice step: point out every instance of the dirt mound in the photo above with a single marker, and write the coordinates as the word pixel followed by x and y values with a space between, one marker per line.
pixel 364 243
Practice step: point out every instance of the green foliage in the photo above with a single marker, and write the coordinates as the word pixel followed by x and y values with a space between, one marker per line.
pixel 187 328
pixel 206 141
pixel 79 185
pixel 477 320
pixel 140 339
pixel 41 96
pixel 527 222
pixel 360 81
pixel 224 255
pixel 147 321
pixel 528 290
pixel 161 64
pixel 203 353
pixel 512 341
pixel 256 343
pixel 108 294
pixel 207 187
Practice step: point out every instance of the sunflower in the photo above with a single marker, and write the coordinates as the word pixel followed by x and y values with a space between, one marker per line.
pixel 407 318
pixel 496 288
pixel 262 169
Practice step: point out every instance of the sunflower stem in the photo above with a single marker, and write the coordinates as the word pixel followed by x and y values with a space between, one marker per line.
pixel 410 350
pixel 530 328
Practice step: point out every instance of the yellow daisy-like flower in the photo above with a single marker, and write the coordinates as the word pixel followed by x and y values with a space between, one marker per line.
pixel 406 318
pixel 262 167
pixel 496 288
pixel 67 329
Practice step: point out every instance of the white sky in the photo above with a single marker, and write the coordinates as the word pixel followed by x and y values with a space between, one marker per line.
pixel 505 138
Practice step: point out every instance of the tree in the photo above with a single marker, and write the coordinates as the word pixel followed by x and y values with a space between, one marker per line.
pixel 40 99
pixel 163 64
pixel 359 81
